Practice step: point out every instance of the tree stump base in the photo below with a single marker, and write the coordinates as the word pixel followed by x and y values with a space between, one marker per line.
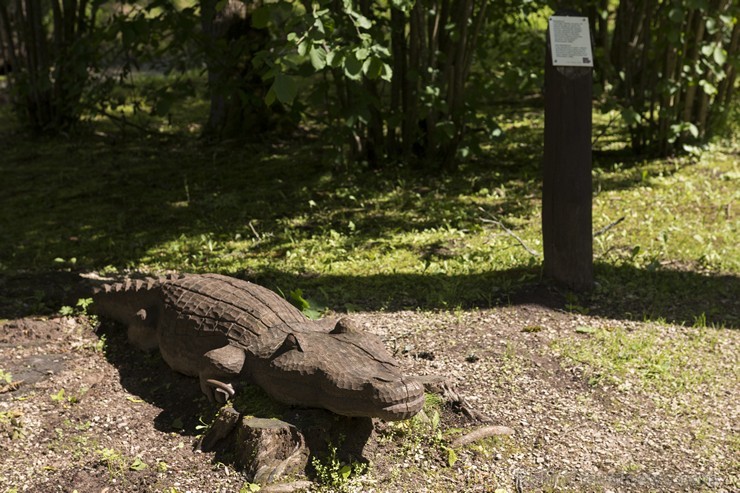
pixel 269 449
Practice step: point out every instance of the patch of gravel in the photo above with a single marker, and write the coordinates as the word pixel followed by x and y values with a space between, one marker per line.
pixel 569 436
pixel 121 409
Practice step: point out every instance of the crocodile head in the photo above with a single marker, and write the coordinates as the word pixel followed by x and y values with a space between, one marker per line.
pixel 345 371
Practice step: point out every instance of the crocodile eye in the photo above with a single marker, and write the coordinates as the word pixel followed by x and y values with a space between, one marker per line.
pixel 345 326
pixel 289 344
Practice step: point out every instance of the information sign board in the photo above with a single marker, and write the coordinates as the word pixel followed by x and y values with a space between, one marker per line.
pixel 570 42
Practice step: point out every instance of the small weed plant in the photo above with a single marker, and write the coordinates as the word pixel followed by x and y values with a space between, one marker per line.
pixel 63 398
pixel 113 460
pixel 7 384
pixel 422 434
pixel 310 308
pixel 11 424
pixel 202 427
pixel 249 488
pixel 97 346
pixel 138 465
pixel 80 309
pixel 335 474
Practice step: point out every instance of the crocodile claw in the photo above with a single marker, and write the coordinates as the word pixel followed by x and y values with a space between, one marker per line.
pixel 221 392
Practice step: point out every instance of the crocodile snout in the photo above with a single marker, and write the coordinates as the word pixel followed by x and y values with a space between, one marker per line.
pixel 351 374
pixel 409 405
pixel 389 399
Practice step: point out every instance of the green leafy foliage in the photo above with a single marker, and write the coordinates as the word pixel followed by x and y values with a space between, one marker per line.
pixel 113 460
pixel 310 308
pixel 79 309
pixel 83 57
pixel 59 396
pixel 369 70
pixel 423 434
pixel 66 311
pixel 284 89
pixel 389 82
pixel 62 398
pixel 671 70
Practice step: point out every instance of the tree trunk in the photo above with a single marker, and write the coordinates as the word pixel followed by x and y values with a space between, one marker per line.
pixel 237 94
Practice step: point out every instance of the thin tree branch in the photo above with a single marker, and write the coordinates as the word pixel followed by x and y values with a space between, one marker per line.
pixel 125 121
pixel 606 128
pixel 608 227
pixel 498 223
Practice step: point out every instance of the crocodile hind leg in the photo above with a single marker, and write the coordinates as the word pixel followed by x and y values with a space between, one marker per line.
pixel 220 367
pixel 142 331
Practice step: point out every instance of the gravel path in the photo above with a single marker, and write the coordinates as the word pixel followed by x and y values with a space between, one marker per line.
pixel 76 417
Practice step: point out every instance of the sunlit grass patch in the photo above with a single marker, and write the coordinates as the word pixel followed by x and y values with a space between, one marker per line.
pixel 661 358
pixel 676 213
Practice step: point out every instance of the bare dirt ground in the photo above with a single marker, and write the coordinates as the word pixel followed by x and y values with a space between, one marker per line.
pixel 84 411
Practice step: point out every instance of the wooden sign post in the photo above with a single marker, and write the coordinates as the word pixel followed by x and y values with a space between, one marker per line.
pixel 566 193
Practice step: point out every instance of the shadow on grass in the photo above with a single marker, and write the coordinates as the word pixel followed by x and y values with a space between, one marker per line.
pixel 108 202
pixel 99 202
pixel 623 293
pixel 675 296
pixel 635 170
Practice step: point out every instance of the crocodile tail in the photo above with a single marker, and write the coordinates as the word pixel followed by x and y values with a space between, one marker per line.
pixel 122 300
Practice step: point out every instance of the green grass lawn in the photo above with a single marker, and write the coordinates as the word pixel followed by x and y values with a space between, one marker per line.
pixel 651 351
pixel 287 215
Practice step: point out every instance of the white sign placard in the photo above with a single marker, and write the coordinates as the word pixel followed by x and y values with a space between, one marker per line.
pixel 570 42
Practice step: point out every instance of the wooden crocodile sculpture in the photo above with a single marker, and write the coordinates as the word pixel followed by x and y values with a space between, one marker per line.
pixel 225 331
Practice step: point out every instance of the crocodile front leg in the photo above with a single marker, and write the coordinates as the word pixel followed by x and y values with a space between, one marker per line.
pixel 219 368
